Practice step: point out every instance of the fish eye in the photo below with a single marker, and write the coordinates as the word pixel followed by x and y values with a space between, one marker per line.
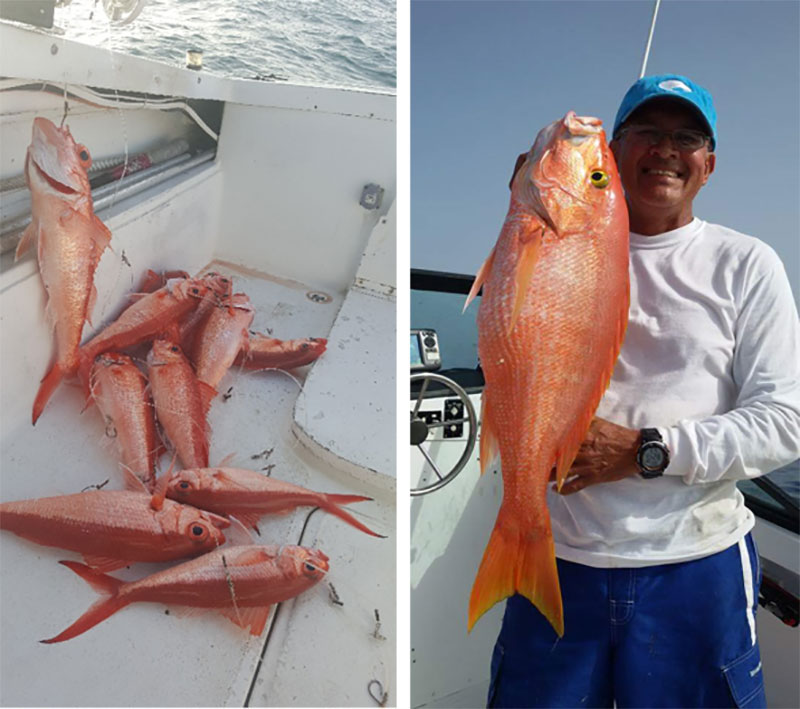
pixel 198 532
pixel 183 485
pixel 195 291
pixel 310 567
pixel 175 348
pixel 600 178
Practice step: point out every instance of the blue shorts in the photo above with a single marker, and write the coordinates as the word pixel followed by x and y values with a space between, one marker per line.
pixel 672 635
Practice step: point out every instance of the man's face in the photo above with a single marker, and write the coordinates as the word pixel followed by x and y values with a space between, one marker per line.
pixel 660 178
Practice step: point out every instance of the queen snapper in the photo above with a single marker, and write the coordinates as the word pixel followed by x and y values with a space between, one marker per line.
pixel 550 326
pixel 71 240
pixel 241 582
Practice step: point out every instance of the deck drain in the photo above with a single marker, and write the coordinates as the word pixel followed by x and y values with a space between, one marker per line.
pixel 318 296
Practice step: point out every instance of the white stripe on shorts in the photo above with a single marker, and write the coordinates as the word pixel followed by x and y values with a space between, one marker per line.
pixel 749 593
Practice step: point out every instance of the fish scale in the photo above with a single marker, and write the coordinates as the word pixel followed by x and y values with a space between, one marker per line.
pixel 550 325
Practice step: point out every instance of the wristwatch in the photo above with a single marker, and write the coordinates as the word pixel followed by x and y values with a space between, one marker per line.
pixel 652 457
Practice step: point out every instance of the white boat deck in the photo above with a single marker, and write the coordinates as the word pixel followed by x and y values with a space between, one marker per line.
pixel 256 214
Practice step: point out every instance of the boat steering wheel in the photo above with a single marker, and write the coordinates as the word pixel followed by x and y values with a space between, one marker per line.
pixel 420 429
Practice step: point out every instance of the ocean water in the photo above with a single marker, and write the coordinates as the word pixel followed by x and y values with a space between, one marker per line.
pixel 349 43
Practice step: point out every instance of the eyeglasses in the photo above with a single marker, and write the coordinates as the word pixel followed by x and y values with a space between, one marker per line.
pixel 684 139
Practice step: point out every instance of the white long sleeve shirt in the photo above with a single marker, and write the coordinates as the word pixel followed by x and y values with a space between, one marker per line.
pixel 711 358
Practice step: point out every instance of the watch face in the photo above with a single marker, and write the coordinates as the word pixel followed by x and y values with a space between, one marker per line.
pixel 652 457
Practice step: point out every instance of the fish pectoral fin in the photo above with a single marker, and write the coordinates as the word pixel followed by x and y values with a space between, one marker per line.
pixel 101 235
pixel 529 243
pixel 479 279
pixel 518 561
pixel 207 394
pixel 489 447
pixel 248 518
pixel 254 618
pixel 238 533
pixel 104 563
pixel 27 239
pixel 90 305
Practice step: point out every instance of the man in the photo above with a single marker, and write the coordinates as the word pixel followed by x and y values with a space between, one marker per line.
pixel 658 571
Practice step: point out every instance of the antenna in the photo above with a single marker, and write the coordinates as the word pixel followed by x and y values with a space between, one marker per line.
pixel 649 38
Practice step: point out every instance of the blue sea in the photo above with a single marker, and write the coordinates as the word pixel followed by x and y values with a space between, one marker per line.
pixel 349 43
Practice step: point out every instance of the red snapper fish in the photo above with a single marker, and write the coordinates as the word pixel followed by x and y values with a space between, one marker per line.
pixel 241 582
pixel 265 352
pixel 249 495
pixel 550 325
pixel 178 397
pixel 71 240
pixel 112 528
pixel 120 391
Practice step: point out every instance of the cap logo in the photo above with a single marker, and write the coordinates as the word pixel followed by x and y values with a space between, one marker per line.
pixel 674 85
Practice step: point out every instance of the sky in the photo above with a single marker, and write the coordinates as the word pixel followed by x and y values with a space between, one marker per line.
pixel 487 76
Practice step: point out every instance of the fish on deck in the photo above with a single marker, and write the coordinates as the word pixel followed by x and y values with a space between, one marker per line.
pixel 241 582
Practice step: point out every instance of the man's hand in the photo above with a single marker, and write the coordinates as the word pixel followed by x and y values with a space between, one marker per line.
pixel 608 453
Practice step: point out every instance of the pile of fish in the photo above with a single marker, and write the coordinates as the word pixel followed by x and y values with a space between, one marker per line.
pixel 195 329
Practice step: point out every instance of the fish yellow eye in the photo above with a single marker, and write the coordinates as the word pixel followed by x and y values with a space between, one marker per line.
pixel 600 178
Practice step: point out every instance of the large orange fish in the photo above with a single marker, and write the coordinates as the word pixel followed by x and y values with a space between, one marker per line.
pixel 178 398
pixel 550 326
pixel 249 495
pixel 265 352
pixel 71 239
pixel 120 391
pixel 242 582
pixel 112 528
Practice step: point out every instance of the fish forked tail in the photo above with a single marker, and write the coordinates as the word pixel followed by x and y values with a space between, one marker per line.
pixel 513 563
pixel 47 386
pixel 331 502
pixel 101 610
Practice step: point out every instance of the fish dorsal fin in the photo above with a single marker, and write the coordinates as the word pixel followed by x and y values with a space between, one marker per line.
pixel 254 618
pixel 480 278
pixel 529 242
pixel 228 476
pixel 489 446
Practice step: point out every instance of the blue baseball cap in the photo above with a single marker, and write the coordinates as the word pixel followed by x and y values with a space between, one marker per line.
pixel 672 86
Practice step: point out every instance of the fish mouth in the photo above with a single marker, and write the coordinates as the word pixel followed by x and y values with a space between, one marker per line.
pixel 55 184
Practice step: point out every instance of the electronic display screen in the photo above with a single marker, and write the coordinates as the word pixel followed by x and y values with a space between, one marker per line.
pixel 416 353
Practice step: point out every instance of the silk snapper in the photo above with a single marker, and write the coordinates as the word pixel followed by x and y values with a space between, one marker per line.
pixel 112 528
pixel 120 391
pixel 550 325
pixel 71 240
pixel 150 316
pixel 249 495
pixel 241 582
pixel 178 398
pixel 270 353
pixel 220 338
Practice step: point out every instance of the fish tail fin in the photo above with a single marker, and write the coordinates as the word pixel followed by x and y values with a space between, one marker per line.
pixel 331 504
pixel 98 612
pixel 518 562
pixel 47 386
pixel 479 279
